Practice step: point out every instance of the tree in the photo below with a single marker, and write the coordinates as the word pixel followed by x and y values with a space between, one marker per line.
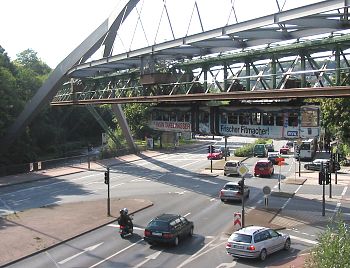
pixel 333 249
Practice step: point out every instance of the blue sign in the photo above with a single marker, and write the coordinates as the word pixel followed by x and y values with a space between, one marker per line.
pixel 292 133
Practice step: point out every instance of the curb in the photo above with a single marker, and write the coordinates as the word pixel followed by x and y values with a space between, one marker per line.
pixel 69 239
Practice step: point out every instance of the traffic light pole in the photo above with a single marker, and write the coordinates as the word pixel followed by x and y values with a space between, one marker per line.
pixel 324 198
pixel 330 182
pixel 108 192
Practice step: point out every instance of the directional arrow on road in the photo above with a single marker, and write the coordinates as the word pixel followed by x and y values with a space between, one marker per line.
pixel 148 258
pixel 91 248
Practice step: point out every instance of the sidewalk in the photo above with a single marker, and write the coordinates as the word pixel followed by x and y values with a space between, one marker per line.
pixel 28 232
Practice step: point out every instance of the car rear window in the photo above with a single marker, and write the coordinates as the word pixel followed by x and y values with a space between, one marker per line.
pixel 261 164
pixel 231 187
pixel 241 238
pixel 231 164
pixel 159 225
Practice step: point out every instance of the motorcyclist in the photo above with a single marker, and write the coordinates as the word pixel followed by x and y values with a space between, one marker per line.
pixel 124 219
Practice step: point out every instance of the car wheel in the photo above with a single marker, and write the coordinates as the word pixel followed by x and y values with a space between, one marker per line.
pixel 223 200
pixel 176 241
pixel 224 174
pixel 263 254
pixel 254 174
pixel 287 244
pixel 191 232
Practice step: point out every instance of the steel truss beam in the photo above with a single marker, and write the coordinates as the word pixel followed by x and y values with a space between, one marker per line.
pixel 273 68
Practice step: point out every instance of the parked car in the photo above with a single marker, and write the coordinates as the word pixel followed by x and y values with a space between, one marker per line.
pixel 284 150
pixel 231 167
pixel 270 147
pixel 168 228
pixel 230 191
pixel 256 242
pixel 316 165
pixel 263 168
pixel 260 150
pixel 225 151
pixel 273 157
pixel 217 154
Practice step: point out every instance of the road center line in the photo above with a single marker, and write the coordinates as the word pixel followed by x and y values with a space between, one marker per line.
pixel 115 254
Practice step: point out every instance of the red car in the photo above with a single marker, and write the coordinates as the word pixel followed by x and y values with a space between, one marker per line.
pixel 217 154
pixel 263 168
pixel 284 149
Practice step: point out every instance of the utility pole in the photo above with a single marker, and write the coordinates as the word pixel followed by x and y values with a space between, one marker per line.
pixel 108 192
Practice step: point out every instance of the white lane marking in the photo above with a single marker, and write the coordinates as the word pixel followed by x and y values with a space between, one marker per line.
pixel 93 182
pixel 148 258
pixel 140 180
pixel 286 203
pixel 7 206
pixel 227 265
pixel 117 226
pixel 117 253
pixel 47 185
pixel 344 191
pixel 213 199
pixel 189 213
pixel 201 252
pixel 91 248
pixel 117 185
pixel 303 240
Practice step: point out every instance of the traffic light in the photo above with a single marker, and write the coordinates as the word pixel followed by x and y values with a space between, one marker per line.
pixel 106 177
pixel 211 149
pixel 336 166
pixel 328 177
pixel 297 150
pixel 321 177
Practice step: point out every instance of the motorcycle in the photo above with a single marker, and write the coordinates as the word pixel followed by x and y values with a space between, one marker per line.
pixel 125 230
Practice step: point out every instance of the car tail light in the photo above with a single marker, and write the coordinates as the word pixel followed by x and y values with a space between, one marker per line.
pixel 251 247
pixel 228 245
pixel 167 235
pixel 147 232
pixel 221 194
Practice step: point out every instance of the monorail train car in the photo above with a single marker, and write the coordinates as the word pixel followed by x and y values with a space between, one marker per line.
pixel 258 120
pixel 270 121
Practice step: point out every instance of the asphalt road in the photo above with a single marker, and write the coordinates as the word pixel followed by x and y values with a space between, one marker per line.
pixel 174 184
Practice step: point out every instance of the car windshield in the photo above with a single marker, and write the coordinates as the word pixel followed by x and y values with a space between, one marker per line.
pixel 231 164
pixel 231 187
pixel 159 225
pixel 241 238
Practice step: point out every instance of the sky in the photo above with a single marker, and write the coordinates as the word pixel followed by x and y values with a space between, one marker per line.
pixel 54 28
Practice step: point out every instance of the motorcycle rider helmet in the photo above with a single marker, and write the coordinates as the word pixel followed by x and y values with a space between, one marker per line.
pixel 125 211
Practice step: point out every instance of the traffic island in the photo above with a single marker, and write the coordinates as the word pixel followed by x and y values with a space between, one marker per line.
pixel 282 194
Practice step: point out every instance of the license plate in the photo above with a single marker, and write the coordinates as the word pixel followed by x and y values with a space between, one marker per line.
pixel 238 246
pixel 157 234
pixel 261 169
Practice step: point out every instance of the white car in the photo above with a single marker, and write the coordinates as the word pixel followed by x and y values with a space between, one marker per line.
pixel 256 242
pixel 231 167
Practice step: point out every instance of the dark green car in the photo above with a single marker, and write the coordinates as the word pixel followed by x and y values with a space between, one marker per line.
pixel 168 228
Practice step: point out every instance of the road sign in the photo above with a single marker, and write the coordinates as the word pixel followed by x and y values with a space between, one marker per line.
pixel 267 190
pixel 237 223
pixel 243 170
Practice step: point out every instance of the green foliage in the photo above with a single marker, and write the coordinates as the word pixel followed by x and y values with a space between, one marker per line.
pixel 137 116
pixel 333 249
